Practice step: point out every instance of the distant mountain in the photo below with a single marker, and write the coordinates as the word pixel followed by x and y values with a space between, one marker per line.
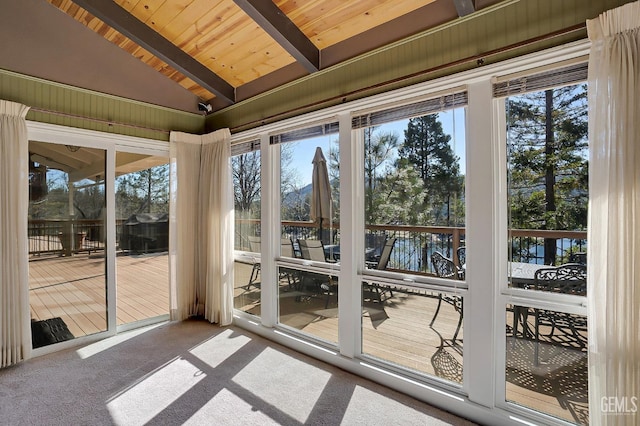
pixel 294 197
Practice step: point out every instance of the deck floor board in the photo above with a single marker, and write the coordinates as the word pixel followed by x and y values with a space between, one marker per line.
pixel 74 288
pixel 396 331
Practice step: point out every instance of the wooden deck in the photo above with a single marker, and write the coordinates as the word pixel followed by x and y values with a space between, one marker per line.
pixel 396 331
pixel 74 289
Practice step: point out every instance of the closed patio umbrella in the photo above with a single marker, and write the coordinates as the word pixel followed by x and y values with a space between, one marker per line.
pixel 321 203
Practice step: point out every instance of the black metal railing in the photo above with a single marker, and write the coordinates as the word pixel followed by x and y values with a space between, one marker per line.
pixel 415 244
pixel 412 251
pixel 67 236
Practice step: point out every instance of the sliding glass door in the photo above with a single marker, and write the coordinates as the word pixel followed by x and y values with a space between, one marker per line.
pixel 66 228
pixel 98 231
pixel 142 237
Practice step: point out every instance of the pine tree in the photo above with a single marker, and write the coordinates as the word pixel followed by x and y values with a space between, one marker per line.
pixel 144 191
pixel 547 160
pixel 428 150
pixel 379 148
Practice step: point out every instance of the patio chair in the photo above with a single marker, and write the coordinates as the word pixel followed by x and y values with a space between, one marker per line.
pixel 286 247
pixel 385 255
pixel 375 244
pixel 291 275
pixel 314 250
pixel 570 278
pixel 578 257
pixel 381 265
pixel 255 247
pixel 446 268
pixel 461 253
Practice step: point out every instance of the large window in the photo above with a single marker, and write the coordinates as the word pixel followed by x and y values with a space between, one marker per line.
pixel 451 257
pixel 414 217
pixel 547 174
pixel 309 230
pixel 245 162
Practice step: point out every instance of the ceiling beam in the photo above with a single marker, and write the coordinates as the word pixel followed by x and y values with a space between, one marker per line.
pixel 122 21
pixel 92 171
pixel 464 7
pixel 283 30
pixel 52 164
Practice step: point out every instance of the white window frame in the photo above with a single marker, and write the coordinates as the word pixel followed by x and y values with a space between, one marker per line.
pixel 482 395
pixel 110 143
pixel 565 303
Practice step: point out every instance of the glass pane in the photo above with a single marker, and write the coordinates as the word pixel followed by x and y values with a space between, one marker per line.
pixel 247 199
pixel 414 177
pixel 404 327
pixel 247 285
pixel 546 362
pixel 547 159
pixel 142 235
pixel 308 301
pixel 308 211
pixel 414 173
pixel 67 275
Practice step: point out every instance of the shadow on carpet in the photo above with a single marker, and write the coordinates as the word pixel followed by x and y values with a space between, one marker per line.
pixel 49 331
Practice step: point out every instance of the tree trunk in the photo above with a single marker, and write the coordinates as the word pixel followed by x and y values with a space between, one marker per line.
pixel 549 177
pixel 149 191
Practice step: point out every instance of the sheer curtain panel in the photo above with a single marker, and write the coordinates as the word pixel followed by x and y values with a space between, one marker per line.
pixel 614 217
pixel 201 215
pixel 15 330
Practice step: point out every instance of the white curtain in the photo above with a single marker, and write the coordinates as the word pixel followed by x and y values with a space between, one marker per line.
pixel 614 217
pixel 201 242
pixel 15 330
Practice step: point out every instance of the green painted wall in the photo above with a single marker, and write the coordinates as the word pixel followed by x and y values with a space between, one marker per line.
pixel 106 113
pixel 508 25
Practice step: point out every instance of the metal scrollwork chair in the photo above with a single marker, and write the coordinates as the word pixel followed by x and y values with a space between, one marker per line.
pixel 461 253
pixel 446 268
pixel 578 257
pixel 570 278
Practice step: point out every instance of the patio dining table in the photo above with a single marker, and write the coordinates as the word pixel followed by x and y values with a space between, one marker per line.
pixel 522 275
pixel 332 251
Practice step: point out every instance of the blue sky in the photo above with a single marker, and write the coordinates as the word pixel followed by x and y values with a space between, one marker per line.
pixel 303 151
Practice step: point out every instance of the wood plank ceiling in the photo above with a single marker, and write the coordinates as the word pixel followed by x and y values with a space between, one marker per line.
pixel 225 51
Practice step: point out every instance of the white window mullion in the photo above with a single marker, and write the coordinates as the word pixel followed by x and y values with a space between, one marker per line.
pixel 501 236
pixel 351 240
pixel 111 237
pixel 479 305
pixel 269 229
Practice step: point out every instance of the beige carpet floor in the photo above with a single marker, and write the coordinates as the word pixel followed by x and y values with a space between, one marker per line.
pixel 196 373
